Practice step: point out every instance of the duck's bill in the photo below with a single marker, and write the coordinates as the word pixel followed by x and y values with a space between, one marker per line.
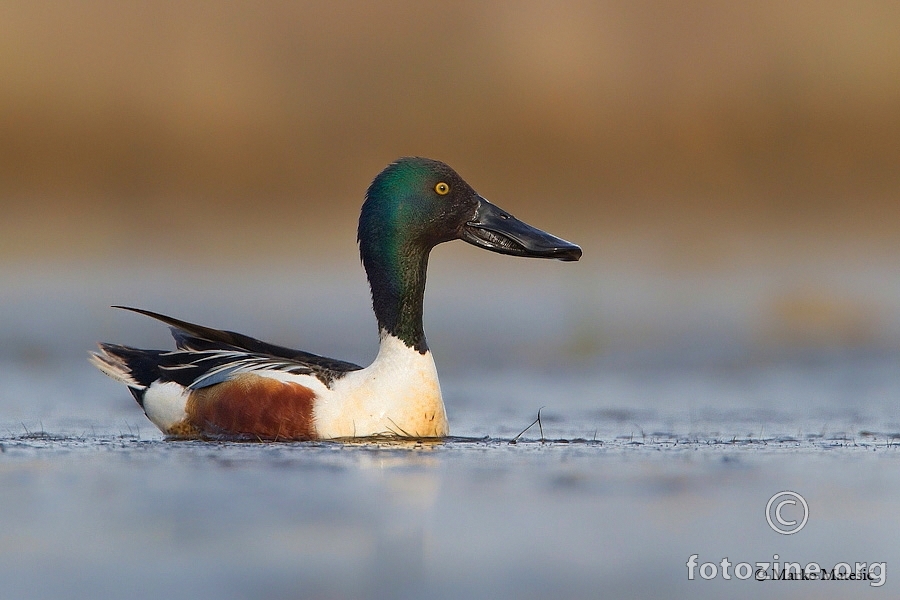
pixel 495 229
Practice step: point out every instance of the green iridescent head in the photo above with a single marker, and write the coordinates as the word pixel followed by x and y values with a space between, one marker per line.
pixel 415 204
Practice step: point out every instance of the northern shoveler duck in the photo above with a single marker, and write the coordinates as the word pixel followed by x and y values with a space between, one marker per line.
pixel 221 384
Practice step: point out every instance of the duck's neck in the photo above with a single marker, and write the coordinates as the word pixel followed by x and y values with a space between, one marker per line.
pixel 397 277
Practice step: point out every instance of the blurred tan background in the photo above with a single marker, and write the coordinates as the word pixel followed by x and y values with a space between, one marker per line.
pixel 714 129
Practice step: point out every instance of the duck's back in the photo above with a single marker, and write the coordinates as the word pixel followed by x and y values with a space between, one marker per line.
pixel 223 384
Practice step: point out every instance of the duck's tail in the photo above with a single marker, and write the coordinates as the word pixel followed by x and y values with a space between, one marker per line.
pixel 135 368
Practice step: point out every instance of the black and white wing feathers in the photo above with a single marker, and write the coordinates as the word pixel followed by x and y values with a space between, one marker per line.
pixel 206 356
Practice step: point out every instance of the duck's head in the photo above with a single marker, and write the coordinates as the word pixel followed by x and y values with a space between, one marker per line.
pixel 417 203
pixel 414 205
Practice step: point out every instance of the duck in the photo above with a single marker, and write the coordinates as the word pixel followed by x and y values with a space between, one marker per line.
pixel 219 384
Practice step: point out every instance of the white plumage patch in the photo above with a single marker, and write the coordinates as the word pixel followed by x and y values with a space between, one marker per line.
pixel 398 394
pixel 164 404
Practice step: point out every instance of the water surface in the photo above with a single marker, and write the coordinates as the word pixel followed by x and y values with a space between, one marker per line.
pixel 643 458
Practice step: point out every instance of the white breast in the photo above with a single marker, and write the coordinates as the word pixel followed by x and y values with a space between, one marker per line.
pixel 398 394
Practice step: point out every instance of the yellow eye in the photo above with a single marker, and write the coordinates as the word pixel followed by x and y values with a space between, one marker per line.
pixel 442 188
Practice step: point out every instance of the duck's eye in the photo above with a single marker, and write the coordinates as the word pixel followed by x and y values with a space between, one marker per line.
pixel 442 188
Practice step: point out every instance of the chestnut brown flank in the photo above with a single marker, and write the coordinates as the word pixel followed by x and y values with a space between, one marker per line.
pixel 250 405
